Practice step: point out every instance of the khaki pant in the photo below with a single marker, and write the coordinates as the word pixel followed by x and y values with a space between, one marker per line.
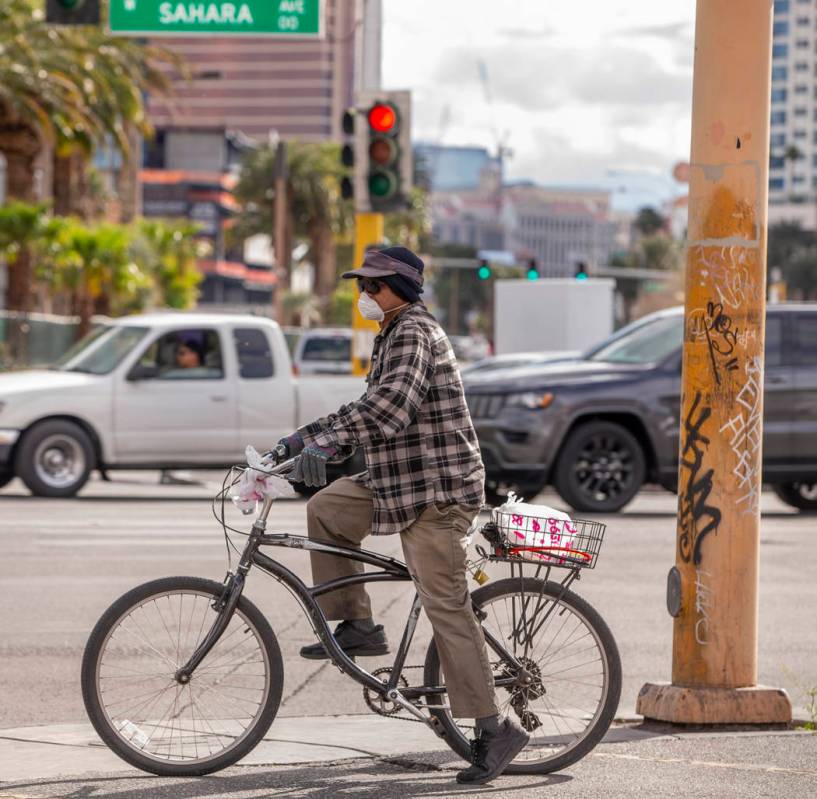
pixel 434 548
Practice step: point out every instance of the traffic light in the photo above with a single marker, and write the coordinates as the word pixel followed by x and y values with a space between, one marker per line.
pixel 382 153
pixel 581 271
pixel 484 271
pixel 383 173
pixel 72 12
pixel 347 154
pixel 533 270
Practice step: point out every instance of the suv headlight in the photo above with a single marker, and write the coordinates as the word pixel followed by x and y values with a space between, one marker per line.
pixel 532 400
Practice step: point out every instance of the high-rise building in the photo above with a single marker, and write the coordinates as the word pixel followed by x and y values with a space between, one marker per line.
pixel 793 150
pixel 297 87
pixel 240 92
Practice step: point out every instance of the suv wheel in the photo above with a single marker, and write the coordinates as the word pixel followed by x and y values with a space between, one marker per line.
pixel 601 467
pixel 802 496
pixel 55 458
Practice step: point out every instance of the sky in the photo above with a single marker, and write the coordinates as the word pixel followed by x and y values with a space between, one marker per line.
pixel 583 92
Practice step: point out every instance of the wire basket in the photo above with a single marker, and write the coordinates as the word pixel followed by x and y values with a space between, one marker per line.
pixel 543 541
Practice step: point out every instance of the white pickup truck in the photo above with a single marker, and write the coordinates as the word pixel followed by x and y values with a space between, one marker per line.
pixel 157 391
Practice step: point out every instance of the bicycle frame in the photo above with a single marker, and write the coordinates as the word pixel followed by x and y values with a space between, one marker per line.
pixel 390 570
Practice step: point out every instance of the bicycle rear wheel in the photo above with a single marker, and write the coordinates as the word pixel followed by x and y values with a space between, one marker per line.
pixel 572 656
pixel 157 724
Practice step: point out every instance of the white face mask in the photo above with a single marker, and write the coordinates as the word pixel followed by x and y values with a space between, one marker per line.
pixel 369 309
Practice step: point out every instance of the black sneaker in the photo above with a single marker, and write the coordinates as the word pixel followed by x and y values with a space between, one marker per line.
pixel 491 753
pixel 352 641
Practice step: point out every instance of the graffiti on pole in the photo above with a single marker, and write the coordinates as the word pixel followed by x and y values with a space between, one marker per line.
pixel 745 436
pixel 715 326
pixel 703 605
pixel 698 517
pixel 727 269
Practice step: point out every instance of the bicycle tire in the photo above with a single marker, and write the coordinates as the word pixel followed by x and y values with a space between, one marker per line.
pixel 135 598
pixel 453 734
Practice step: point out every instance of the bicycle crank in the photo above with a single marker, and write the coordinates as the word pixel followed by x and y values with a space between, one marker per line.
pixel 378 702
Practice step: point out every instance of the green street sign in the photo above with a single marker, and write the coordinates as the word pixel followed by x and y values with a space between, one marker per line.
pixel 216 17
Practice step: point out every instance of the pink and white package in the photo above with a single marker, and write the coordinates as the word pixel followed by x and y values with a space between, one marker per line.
pixel 540 526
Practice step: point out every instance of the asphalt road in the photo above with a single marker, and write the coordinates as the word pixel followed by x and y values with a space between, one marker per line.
pixel 65 561
pixel 706 766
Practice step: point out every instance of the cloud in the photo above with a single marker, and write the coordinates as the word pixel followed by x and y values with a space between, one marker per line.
pixel 553 157
pixel 527 33
pixel 538 78
pixel 670 30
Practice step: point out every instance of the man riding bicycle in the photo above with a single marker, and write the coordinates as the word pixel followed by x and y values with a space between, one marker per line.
pixel 424 480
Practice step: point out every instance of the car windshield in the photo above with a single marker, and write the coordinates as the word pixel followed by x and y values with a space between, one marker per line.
pixel 645 344
pixel 328 348
pixel 101 350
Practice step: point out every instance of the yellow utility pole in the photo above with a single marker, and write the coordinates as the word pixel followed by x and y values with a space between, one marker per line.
pixel 368 231
pixel 712 591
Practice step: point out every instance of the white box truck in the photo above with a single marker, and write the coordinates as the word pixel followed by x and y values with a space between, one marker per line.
pixel 551 315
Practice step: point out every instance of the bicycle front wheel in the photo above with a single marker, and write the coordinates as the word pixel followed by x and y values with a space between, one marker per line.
pixel 158 724
pixel 572 660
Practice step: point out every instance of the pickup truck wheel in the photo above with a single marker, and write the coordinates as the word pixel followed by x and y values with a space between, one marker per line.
pixel 802 496
pixel 601 468
pixel 55 458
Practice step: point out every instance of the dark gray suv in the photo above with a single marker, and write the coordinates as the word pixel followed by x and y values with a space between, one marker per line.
pixel 597 428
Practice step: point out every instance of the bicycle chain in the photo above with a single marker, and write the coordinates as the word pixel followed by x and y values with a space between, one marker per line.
pixel 394 712
pixel 371 699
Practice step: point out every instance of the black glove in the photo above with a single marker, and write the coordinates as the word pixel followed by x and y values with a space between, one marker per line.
pixel 310 468
pixel 293 444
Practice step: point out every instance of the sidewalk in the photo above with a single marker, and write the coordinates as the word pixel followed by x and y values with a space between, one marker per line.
pixel 368 756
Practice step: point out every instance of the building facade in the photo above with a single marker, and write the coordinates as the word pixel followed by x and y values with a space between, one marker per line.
pixel 295 88
pixel 793 137
pixel 559 227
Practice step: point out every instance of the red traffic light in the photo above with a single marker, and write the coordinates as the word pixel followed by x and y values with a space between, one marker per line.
pixel 382 118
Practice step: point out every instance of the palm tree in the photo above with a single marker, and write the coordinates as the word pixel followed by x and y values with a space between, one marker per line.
pixel 95 263
pixel 167 252
pixel 316 212
pixel 114 75
pixel 64 87
pixel 791 155
pixel 39 97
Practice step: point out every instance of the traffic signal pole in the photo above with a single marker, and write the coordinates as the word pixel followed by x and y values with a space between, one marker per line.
pixel 368 231
pixel 712 592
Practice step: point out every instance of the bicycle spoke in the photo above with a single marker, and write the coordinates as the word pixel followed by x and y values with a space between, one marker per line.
pixel 170 721
pixel 561 651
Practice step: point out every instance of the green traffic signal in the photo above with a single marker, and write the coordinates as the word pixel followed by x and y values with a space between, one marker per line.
pixel 382 184
pixel 533 271
pixel 70 3
pixel 581 271
pixel 484 271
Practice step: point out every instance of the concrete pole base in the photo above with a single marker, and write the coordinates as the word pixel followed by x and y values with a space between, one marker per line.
pixel 679 705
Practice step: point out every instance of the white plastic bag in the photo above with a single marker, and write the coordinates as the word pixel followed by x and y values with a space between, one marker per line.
pixel 256 483
pixel 526 525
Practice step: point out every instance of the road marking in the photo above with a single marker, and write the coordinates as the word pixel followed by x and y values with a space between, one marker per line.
pixel 710 763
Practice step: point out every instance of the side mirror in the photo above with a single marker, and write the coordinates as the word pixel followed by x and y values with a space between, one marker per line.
pixel 142 372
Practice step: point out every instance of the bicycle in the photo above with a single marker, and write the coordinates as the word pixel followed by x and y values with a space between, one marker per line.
pixel 183 676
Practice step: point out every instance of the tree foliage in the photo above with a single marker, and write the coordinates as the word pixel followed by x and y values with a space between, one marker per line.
pixel 102 267
pixel 649 222
pixel 793 251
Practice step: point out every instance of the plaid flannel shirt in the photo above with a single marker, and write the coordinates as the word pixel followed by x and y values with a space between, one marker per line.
pixel 412 423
